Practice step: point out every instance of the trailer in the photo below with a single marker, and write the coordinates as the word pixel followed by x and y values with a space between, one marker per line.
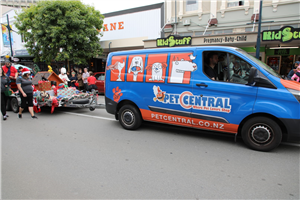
pixel 85 100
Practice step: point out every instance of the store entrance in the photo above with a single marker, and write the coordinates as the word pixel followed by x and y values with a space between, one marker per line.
pixel 286 65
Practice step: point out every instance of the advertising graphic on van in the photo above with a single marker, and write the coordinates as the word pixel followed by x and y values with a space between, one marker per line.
pixel 117 94
pixel 285 34
pixel 156 68
pixel 117 68
pixel 181 67
pixel 187 100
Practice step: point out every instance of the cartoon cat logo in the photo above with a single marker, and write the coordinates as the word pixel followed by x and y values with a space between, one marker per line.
pixel 159 94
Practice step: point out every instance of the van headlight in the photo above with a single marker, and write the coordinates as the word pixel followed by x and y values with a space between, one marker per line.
pixel 296 93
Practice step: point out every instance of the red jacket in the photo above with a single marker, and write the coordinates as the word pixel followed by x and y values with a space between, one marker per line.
pixel 13 70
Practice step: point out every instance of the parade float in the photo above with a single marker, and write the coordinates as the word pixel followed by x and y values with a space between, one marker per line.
pixel 49 90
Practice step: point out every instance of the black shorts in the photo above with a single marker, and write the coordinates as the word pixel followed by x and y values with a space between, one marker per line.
pixel 90 87
pixel 26 100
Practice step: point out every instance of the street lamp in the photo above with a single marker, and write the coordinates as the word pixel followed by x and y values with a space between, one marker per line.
pixel 258 33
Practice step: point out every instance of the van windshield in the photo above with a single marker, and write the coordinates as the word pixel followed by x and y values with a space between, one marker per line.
pixel 261 64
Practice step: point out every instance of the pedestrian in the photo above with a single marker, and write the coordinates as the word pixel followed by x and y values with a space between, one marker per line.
pixel 80 81
pixel 24 85
pixel 73 79
pixel 4 86
pixel 91 82
pixel 10 71
pixel 85 76
pixel 292 72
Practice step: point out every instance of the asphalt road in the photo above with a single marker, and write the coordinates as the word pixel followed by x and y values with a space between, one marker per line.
pixel 79 154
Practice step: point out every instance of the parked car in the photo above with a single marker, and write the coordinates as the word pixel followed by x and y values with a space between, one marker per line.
pixel 100 77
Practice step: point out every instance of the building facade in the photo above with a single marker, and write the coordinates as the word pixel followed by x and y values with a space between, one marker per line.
pixel 127 30
pixel 234 23
pixel 18 3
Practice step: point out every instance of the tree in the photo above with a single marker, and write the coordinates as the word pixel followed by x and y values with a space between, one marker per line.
pixel 61 30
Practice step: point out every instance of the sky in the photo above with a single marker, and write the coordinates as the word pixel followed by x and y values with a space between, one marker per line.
pixel 107 6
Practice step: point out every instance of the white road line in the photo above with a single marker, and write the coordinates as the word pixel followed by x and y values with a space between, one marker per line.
pixel 96 117
pixel 291 144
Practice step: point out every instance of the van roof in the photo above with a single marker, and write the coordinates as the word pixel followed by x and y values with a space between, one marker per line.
pixel 173 50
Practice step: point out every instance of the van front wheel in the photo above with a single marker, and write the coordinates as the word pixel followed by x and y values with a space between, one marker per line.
pixel 261 133
pixel 129 117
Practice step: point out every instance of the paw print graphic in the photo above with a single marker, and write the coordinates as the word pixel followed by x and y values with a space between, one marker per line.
pixel 117 94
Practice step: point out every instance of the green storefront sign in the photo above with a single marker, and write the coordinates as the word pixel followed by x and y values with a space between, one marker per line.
pixel 173 41
pixel 285 34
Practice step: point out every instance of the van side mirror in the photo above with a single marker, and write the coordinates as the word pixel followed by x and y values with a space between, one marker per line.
pixel 252 74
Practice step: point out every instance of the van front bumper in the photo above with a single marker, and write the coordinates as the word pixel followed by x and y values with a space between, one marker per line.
pixel 293 129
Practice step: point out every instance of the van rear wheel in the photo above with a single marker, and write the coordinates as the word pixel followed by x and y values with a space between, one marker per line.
pixel 261 133
pixel 130 117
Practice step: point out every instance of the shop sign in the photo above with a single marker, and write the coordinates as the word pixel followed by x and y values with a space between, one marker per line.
pixel 22 52
pixel 285 34
pixel 173 41
pixel 281 52
pixel 227 39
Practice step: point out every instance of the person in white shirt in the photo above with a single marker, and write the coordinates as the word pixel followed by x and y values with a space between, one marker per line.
pixel 85 76
pixel 63 76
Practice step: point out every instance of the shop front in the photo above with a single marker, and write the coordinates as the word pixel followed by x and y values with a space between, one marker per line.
pixel 245 41
pixel 283 48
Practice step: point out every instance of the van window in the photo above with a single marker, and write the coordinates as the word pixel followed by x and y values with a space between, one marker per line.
pixel 222 66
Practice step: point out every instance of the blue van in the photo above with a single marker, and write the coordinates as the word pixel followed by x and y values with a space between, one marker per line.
pixel 214 88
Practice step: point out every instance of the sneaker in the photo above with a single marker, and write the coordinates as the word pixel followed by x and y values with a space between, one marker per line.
pixel 4 117
pixel 19 115
pixel 34 117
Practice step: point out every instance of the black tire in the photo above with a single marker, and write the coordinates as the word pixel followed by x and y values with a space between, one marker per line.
pixel 261 133
pixel 92 109
pixel 130 117
pixel 8 106
pixel 14 105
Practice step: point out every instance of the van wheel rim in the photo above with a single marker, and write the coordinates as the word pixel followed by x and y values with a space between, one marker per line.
pixel 128 117
pixel 261 134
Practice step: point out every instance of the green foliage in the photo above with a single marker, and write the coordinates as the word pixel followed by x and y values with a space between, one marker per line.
pixel 61 30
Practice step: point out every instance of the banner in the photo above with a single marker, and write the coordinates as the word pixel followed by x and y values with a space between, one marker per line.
pixel 5 36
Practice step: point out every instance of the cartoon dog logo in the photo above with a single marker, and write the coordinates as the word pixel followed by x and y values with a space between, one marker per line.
pixel 157 71
pixel 159 94
pixel 181 66
pixel 136 66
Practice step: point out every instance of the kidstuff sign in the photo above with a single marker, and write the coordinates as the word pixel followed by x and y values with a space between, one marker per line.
pixel 285 34
pixel 173 41
pixel 187 101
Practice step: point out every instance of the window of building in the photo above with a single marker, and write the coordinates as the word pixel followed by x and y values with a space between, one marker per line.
pixel 227 31
pixel 250 29
pixel 274 27
pixel 199 33
pixel 186 34
pixel 234 3
pixel 191 5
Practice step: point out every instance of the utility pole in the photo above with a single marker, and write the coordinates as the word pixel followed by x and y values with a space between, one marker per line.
pixel 258 33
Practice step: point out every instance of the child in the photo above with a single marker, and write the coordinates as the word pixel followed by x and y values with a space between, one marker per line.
pixel 73 79
pixel 295 76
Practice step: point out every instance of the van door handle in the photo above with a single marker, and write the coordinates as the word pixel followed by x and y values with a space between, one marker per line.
pixel 201 85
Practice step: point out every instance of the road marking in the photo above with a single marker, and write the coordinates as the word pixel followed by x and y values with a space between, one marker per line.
pixel 96 117
pixel 290 144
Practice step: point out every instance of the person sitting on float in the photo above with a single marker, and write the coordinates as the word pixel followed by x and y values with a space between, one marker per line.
pixel 63 75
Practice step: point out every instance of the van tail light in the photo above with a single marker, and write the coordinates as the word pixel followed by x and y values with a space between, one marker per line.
pixel 296 93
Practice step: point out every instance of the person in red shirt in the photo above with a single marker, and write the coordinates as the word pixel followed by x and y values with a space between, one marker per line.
pixel 91 82
pixel 10 71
